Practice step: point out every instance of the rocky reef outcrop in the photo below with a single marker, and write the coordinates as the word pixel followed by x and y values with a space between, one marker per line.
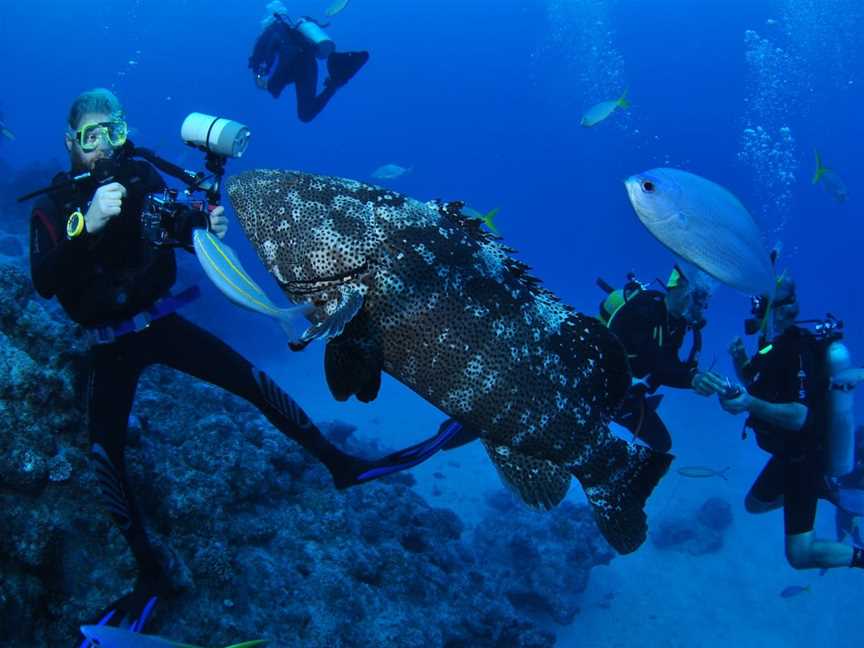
pixel 263 544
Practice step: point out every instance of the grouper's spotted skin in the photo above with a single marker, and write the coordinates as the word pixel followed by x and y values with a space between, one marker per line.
pixel 446 311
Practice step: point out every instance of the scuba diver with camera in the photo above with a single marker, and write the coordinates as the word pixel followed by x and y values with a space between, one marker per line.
pixel 798 397
pixel 297 45
pixel 102 242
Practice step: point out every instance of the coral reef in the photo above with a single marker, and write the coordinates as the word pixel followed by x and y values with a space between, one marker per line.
pixel 264 546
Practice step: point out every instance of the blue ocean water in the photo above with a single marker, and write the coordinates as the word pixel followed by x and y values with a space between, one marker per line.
pixel 483 100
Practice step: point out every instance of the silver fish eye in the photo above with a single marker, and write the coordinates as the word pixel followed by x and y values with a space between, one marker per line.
pixel 647 186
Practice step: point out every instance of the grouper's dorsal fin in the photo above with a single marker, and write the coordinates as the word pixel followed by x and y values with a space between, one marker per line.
pixel 538 482
pixel 452 211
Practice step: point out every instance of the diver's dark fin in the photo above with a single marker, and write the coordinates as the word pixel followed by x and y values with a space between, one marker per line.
pixel 653 402
pixel 349 305
pixel 342 66
pixel 617 482
pixel 398 461
pixel 463 435
pixel 350 371
pixel 539 482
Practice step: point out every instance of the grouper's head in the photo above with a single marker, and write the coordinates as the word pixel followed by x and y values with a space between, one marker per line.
pixel 310 231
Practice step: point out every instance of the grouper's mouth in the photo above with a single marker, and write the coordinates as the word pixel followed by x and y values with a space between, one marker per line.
pixel 304 289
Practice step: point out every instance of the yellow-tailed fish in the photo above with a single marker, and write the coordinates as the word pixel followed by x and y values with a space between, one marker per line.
pixel 110 637
pixel 223 268
pixel 336 8
pixel 602 110
pixel 487 218
pixel 829 178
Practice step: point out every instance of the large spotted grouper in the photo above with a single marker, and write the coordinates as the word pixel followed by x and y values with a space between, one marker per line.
pixel 420 291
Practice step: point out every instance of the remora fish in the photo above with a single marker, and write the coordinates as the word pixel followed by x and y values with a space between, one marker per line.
pixel 704 224
pixel 421 292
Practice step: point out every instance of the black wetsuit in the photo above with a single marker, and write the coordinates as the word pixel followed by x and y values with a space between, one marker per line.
pixel 106 278
pixel 297 64
pixel 653 339
pixel 791 370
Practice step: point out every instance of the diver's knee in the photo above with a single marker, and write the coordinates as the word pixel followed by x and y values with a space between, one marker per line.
pixel 799 550
pixel 798 557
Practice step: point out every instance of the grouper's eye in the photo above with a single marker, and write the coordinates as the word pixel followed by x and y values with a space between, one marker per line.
pixel 647 186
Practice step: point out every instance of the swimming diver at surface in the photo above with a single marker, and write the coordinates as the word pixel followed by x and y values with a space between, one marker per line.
pixel 88 249
pixel 296 45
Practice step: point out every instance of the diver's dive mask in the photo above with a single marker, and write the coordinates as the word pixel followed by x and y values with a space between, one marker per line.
pixel 92 134
pixel 759 307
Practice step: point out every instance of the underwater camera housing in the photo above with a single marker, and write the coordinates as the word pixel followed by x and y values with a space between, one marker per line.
pixel 168 221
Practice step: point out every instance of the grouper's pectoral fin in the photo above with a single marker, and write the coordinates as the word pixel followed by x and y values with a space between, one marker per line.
pixel 539 482
pixel 350 303
pixel 618 478
pixel 351 370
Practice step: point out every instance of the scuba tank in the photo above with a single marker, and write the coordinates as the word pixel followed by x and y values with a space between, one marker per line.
pixel 840 441
pixel 316 37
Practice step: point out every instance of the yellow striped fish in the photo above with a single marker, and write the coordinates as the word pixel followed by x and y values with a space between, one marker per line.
pixel 223 268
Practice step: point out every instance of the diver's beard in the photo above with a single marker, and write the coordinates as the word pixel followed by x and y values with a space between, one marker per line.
pixel 80 164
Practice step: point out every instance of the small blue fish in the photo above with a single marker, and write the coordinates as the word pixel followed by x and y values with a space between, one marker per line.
pixel 794 590
pixel 110 637
pixel 223 268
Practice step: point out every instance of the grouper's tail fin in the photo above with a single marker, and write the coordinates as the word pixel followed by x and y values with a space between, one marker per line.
pixel 617 483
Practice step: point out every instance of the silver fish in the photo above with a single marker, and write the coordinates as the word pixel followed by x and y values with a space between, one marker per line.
pixel 704 224
pixel 423 293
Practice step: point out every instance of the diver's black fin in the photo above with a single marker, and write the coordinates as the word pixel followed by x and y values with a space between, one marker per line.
pixel 409 457
pixel 539 482
pixel 463 435
pixel 617 482
pixel 351 370
pixel 342 66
